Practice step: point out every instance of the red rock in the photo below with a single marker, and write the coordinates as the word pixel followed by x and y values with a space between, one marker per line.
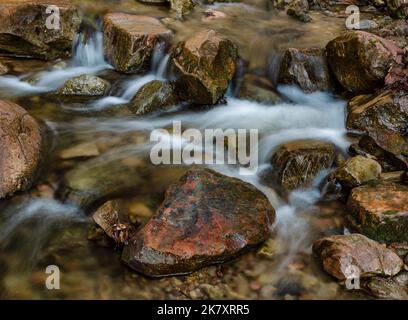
pixel 21 144
pixel 206 218
pixel 338 254
pixel 361 61
pixel 380 211
pixel 203 66
pixel 130 40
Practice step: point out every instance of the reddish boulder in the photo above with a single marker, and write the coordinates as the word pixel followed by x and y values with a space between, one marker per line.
pixel 380 211
pixel 345 255
pixel 361 61
pixel 203 66
pixel 130 40
pixel 383 117
pixel 206 218
pixel 21 142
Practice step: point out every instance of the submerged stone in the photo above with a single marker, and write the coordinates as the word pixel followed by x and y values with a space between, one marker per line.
pixel 258 89
pixel 101 178
pixel 206 218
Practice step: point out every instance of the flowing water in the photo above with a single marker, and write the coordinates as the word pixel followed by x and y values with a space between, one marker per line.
pixel 36 230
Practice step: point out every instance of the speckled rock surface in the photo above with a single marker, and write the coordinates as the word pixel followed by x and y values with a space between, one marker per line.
pixel 206 218
pixel 22 143
pixel 203 66
pixel 339 254
pixel 361 61
pixel 380 211
pixel 130 40
pixel 24 31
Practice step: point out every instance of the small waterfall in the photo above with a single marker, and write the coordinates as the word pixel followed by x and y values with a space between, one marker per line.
pixel 88 51
pixel 88 58
pixel 158 71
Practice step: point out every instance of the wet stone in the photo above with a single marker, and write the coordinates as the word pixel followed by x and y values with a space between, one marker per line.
pixel 206 218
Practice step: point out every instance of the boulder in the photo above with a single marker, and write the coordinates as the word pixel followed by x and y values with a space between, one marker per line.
pixel 130 40
pixel 25 28
pixel 380 211
pixel 85 85
pixel 182 7
pixel 111 174
pixel 152 97
pixel 3 69
pixel 306 68
pixel 297 163
pixel 383 117
pixel 345 255
pixel 22 148
pixel 203 67
pixel 360 60
pixel 357 171
pixel 205 218
pixel 258 89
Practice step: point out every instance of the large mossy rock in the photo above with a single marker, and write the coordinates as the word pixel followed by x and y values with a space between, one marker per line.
pixel 130 40
pixel 22 148
pixel 361 61
pixel 85 85
pixel 380 211
pixel 383 117
pixel 24 31
pixel 345 255
pixel 206 218
pixel 259 89
pixel 297 163
pixel 306 68
pixel 154 96
pixel 203 66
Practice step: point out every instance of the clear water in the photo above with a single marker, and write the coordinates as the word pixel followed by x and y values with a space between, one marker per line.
pixel 37 230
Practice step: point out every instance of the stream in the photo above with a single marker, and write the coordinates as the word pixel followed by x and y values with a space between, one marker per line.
pixel 37 230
